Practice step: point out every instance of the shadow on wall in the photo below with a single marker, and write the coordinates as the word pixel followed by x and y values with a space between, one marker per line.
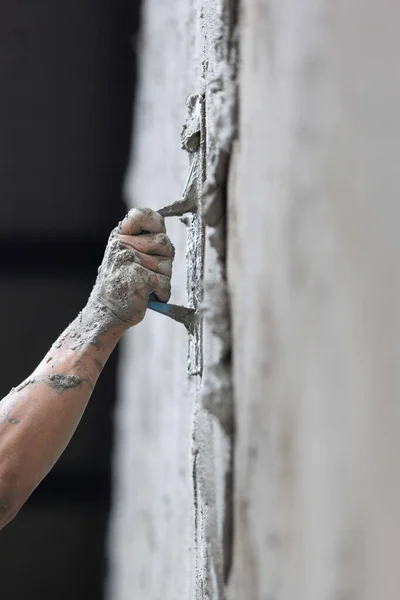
pixel 67 77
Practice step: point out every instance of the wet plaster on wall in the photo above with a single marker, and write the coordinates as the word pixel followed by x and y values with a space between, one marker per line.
pixel 193 141
pixel 214 438
pixel 212 427
pixel 221 105
pixel 171 532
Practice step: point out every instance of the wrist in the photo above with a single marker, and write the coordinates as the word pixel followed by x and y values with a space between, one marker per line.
pixel 99 320
pixel 95 325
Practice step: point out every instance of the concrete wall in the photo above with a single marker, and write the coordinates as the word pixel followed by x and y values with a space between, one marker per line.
pixel 313 283
pixel 314 266
pixel 173 457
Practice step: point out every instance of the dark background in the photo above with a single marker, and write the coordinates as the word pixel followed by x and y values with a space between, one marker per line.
pixel 67 74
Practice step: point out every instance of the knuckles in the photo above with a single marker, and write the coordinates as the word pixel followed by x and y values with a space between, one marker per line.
pixel 139 272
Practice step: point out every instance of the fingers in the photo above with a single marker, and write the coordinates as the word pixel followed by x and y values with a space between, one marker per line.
pixel 151 282
pixel 161 287
pixel 143 234
pixel 150 243
pixel 158 264
pixel 142 219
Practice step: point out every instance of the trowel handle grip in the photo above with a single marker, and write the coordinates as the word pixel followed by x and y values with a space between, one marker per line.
pixel 153 298
pixel 155 304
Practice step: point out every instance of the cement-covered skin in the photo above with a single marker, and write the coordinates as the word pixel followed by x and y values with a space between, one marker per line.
pixel 60 382
pixel 35 424
pixel 124 282
pixel 137 261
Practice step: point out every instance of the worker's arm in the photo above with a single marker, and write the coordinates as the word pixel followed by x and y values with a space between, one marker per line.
pixel 38 418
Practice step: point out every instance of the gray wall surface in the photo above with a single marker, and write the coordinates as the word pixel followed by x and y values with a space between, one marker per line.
pixel 316 361
pixel 312 284
pixel 173 457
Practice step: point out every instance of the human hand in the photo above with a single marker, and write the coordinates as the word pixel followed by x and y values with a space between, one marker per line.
pixel 137 261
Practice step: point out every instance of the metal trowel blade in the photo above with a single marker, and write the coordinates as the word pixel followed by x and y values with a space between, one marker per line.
pixel 181 314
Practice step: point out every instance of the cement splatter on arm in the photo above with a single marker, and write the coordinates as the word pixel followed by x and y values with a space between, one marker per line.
pixel 38 417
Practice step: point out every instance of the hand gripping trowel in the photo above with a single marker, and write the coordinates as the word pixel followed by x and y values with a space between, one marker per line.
pixel 181 314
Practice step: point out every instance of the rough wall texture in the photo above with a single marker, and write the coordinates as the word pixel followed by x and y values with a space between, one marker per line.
pixel 172 515
pixel 313 283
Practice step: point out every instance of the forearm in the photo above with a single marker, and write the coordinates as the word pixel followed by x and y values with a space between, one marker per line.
pixel 38 418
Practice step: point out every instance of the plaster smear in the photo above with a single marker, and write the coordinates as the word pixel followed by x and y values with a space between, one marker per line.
pixel 171 529
pixel 59 382
pixel 213 427
pixel 216 394
pixel 221 111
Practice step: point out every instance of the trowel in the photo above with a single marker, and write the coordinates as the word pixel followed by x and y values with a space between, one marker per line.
pixel 181 314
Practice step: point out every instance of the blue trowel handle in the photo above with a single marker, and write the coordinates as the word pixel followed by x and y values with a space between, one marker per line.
pixel 161 307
